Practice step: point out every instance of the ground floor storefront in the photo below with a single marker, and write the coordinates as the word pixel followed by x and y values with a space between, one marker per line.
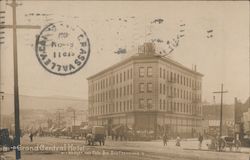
pixel 153 124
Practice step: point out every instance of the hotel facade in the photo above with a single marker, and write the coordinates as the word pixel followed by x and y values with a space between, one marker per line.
pixel 146 92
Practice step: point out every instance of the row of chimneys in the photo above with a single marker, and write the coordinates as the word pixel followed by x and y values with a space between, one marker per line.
pixel 194 67
pixel 148 48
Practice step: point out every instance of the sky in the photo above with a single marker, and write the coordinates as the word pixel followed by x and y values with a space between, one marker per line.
pixel 216 40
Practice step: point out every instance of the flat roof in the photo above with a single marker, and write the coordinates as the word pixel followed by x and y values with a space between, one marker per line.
pixel 138 57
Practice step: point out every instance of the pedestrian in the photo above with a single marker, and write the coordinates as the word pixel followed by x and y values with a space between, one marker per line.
pixel 200 140
pixel 165 139
pixel 31 137
pixel 89 139
pixel 178 141
pixel 237 143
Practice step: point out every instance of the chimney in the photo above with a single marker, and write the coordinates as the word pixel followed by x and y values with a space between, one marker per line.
pixel 235 100
pixel 147 48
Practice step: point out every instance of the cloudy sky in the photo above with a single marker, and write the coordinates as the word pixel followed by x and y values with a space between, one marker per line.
pixel 216 39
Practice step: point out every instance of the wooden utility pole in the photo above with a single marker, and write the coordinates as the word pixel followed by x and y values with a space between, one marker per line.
pixel 59 119
pixel 14 28
pixel 1 42
pixel 221 92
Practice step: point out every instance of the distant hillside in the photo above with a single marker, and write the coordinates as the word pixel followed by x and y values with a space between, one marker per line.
pixel 46 103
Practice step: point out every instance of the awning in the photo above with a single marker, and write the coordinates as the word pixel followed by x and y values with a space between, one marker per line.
pixel 64 129
pixel 85 128
pixel 117 127
pixel 51 129
pixel 55 130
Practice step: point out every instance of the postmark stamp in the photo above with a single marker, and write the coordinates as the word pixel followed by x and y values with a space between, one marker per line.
pixel 62 49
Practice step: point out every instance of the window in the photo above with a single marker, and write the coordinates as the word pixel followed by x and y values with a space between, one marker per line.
pixel 174 92
pixel 149 103
pixel 178 93
pixel 120 107
pixel 130 104
pixel 160 72
pixel 130 88
pixel 171 91
pixel 120 77
pixel 168 94
pixel 167 75
pixel 127 105
pixel 171 106
pixel 164 89
pixel 168 106
pixel 164 74
pixel 141 87
pixel 141 103
pixel 160 104
pixel 141 72
pixel 164 105
pixel 131 73
pixel 150 87
pixel 160 87
pixel 116 107
pixel 124 106
pixel 150 71
pixel 174 107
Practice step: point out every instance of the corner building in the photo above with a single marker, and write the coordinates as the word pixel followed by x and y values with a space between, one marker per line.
pixel 147 93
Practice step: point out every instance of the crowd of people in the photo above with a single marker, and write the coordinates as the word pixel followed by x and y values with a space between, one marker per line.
pixel 216 143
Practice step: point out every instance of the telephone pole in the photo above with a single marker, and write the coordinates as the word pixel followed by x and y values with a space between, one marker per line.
pixel 59 117
pixel 221 92
pixel 14 28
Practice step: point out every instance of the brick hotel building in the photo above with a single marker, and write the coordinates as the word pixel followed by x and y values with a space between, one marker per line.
pixel 146 92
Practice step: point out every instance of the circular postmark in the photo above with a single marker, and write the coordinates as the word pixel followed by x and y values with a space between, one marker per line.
pixel 62 49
